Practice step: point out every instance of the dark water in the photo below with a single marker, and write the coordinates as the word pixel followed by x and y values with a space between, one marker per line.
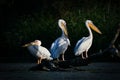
pixel 94 71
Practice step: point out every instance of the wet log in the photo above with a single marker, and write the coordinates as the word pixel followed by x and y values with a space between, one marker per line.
pixel 60 65
pixel 114 47
pixel 112 52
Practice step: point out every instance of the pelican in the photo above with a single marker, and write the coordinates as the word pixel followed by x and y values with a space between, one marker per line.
pixel 60 45
pixel 83 45
pixel 38 51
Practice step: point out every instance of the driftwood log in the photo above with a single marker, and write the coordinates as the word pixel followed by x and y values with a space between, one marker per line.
pixel 110 53
pixel 60 65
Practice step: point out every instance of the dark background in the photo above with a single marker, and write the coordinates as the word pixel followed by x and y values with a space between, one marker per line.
pixel 22 21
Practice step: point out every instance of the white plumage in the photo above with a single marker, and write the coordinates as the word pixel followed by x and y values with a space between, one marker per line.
pixel 38 51
pixel 60 45
pixel 83 45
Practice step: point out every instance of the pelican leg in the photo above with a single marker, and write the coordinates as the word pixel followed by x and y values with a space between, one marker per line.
pixel 86 54
pixel 82 56
pixel 63 57
pixel 39 60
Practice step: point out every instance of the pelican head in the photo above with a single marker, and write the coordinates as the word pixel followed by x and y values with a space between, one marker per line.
pixel 62 25
pixel 90 24
pixel 36 42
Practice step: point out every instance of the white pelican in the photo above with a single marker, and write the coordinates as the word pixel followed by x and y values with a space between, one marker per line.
pixel 83 45
pixel 60 45
pixel 38 51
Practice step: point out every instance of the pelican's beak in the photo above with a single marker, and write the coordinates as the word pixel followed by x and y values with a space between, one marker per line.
pixel 26 45
pixel 92 26
pixel 64 28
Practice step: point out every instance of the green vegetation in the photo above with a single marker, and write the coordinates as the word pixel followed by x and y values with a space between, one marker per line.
pixel 42 24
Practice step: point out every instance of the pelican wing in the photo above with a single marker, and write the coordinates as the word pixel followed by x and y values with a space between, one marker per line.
pixel 78 44
pixel 39 51
pixel 82 45
pixel 68 42
pixel 33 50
pixel 54 46
pixel 59 46
pixel 44 52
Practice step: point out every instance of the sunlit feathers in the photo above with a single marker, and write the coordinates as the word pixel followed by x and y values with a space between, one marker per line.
pixel 83 45
pixel 60 45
